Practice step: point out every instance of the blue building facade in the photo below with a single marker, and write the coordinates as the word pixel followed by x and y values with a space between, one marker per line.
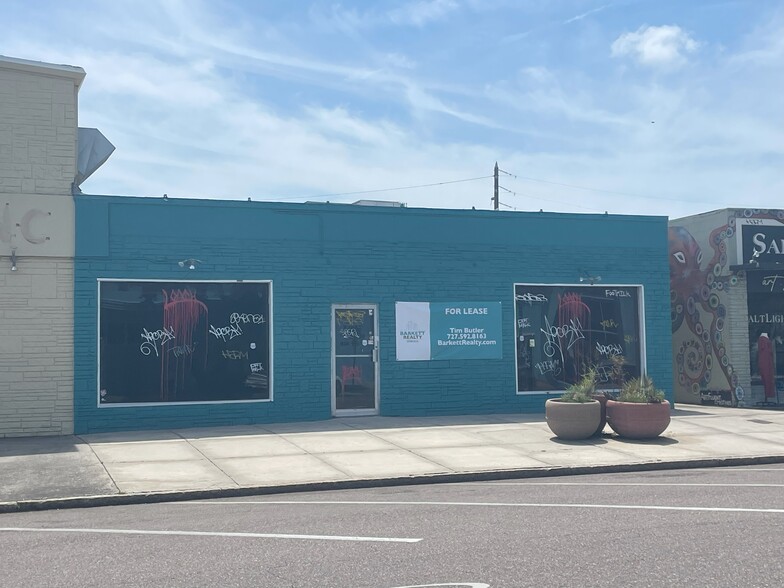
pixel 207 313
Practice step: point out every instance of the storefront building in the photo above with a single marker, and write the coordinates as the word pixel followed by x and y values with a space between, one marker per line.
pixel 38 165
pixel 206 313
pixel 727 293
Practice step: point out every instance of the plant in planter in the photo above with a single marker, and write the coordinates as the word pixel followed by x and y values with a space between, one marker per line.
pixel 640 412
pixel 576 414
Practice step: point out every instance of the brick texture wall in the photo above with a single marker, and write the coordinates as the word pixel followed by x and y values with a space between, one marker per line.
pixel 38 133
pixel 36 348
pixel 319 255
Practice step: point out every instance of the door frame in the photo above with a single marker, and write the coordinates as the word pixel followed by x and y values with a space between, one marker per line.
pixel 376 361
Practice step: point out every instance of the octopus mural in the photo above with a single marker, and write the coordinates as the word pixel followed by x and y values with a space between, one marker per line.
pixel 699 280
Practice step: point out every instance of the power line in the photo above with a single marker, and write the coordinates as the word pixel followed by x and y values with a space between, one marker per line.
pixel 586 188
pixel 556 202
pixel 386 189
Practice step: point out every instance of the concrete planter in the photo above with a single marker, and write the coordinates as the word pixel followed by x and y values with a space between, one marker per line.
pixel 573 420
pixel 638 420
pixel 603 418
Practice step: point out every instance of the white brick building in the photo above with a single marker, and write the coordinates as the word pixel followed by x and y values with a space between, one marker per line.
pixel 38 162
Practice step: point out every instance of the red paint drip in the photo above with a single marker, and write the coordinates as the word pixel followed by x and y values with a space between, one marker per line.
pixel 182 312
pixel 572 308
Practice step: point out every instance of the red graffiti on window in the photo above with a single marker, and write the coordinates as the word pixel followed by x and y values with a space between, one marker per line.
pixel 183 313
pixel 353 373
pixel 574 312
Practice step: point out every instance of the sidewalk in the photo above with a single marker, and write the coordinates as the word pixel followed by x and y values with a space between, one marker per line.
pixel 123 468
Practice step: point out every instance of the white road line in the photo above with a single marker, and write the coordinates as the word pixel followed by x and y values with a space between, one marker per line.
pixel 754 469
pixel 624 484
pixel 497 504
pixel 212 534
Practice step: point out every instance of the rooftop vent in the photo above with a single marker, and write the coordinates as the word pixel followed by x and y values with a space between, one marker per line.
pixel 380 203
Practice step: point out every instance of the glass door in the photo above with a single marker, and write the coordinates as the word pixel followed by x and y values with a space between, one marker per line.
pixel 354 359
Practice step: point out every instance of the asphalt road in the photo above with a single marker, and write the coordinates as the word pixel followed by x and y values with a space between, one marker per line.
pixel 711 527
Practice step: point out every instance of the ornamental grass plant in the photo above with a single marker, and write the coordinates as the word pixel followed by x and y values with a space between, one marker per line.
pixel 641 390
pixel 582 390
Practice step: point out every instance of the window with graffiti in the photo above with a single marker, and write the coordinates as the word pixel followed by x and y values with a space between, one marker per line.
pixel 562 331
pixel 164 342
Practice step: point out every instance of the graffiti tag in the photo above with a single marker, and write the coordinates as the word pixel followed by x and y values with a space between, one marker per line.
pixel 549 366
pixel 350 317
pixel 557 336
pixel 237 318
pixel 609 350
pixel 155 339
pixel 529 297
pixel 225 333
pixel 182 350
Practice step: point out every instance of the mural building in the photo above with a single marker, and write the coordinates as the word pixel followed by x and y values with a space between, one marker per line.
pixel 727 307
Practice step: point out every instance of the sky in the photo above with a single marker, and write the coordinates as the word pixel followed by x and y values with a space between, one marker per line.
pixel 664 107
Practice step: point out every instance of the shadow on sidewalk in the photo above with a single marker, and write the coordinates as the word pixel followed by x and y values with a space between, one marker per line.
pixel 16 446
pixel 338 424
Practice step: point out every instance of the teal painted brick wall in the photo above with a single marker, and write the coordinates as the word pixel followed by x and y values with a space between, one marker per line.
pixel 318 255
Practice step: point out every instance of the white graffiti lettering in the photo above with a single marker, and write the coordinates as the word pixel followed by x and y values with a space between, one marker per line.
pixel 234 329
pixel 558 335
pixel 549 366
pixel 529 297
pixel 609 349
pixel 182 350
pixel 233 354
pixel 154 339
pixel 237 318
pixel 523 322
pixel 225 333
pixel 349 333
pixel 617 294
pixel 255 368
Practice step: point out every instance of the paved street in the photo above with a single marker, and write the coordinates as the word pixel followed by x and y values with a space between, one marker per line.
pixel 696 527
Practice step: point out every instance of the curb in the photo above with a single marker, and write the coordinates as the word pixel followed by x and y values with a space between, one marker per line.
pixel 19 506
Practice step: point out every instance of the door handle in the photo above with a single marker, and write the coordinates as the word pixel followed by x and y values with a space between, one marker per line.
pixel 375 354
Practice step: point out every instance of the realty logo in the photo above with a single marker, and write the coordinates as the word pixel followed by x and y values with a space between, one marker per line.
pixel 412 333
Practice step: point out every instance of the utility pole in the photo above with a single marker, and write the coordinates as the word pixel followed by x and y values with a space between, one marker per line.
pixel 495 187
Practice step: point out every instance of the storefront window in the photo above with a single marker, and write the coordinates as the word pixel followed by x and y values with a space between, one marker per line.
pixel 562 331
pixel 766 336
pixel 163 342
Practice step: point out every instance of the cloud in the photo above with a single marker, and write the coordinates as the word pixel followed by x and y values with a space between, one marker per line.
pixel 587 14
pixel 663 46
pixel 422 12
pixel 204 103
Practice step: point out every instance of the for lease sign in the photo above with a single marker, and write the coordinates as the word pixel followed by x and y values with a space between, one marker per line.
pixel 448 330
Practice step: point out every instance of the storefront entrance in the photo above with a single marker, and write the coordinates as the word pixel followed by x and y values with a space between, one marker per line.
pixel 354 359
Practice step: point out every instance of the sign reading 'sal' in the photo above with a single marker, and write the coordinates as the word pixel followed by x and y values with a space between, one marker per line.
pixel 447 330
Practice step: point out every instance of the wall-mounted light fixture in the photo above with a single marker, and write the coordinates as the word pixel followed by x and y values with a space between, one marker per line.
pixel 191 264
pixel 586 277
pixel 13 259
